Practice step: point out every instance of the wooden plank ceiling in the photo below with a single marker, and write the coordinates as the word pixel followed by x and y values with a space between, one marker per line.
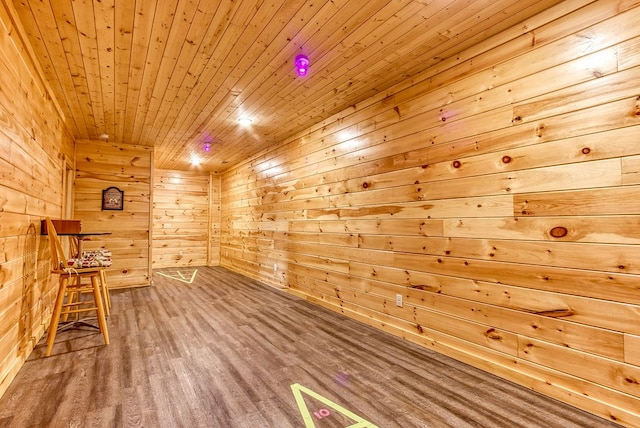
pixel 175 74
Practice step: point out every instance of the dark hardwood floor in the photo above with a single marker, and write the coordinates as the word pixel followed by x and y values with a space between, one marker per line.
pixel 226 351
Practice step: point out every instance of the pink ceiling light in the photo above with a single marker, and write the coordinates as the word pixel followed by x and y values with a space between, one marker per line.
pixel 206 146
pixel 302 65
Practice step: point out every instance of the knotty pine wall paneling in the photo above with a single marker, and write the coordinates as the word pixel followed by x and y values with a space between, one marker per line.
pixel 35 148
pixel 498 193
pixel 181 205
pixel 101 165
pixel 213 256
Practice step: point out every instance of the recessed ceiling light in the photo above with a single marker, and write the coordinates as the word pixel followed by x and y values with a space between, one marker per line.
pixel 244 121
pixel 104 137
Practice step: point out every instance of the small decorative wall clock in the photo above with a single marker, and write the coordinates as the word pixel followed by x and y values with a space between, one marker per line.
pixel 112 199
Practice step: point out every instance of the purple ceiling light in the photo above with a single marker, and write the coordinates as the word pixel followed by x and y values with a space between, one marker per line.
pixel 206 146
pixel 302 65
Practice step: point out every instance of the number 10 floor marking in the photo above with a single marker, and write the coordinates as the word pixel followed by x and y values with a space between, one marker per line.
pixel 298 390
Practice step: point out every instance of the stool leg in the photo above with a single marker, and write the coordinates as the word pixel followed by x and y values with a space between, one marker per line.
pixel 71 298
pixel 105 292
pixel 55 316
pixel 97 296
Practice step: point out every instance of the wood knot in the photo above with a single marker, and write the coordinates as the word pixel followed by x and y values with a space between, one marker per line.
pixel 457 164
pixel 425 166
pixel 517 119
pixel 559 232
pixel 419 328
pixel 506 159
pixel 586 151
pixel 493 334
pixel 556 313
pixel 444 119
pixel 365 185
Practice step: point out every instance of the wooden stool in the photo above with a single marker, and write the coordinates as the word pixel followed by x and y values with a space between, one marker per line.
pixel 71 285
pixel 101 259
pixel 96 258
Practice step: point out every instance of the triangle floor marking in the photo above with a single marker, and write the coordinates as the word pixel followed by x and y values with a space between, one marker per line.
pixel 298 390
pixel 179 276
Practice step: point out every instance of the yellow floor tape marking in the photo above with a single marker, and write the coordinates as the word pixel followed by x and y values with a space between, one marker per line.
pixel 298 390
pixel 181 278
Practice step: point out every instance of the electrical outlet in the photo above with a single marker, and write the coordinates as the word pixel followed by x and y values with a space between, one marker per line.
pixel 399 300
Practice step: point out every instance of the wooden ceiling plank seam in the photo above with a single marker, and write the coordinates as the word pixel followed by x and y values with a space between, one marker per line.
pixel 335 26
pixel 483 14
pixel 494 20
pixel 393 17
pixel 457 49
pixel 104 17
pixel 327 11
pixel 556 10
pixel 85 23
pixel 372 59
pixel 411 12
pixel 177 46
pixel 163 21
pixel 214 66
pixel 355 21
pixel 377 19
pixel 233 80
pixel 201 63
pixel 195 109
pixel 374 89
pixel 141 38
pixel 233 40
pixel 228 38
pixel 123 40
pixel 202 24
pixel 264 44
pixel 512 20
pixel 43 13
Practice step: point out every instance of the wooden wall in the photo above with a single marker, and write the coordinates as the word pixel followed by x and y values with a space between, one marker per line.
pixel 35 150
pixel 498 194
pixel 214 220
pixel 180 218
pixel 101 165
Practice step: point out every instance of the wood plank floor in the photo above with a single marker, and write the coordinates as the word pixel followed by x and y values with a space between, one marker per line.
pixel 224 351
